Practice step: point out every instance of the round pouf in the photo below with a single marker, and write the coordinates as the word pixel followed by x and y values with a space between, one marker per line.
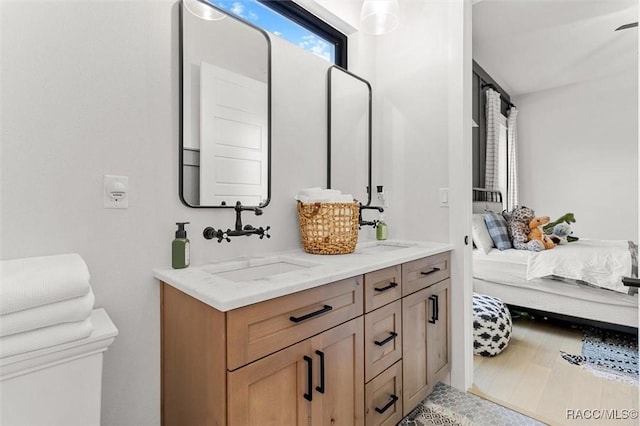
pixel 491 325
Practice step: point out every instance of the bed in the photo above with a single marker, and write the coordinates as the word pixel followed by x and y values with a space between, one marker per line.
pixel 579 292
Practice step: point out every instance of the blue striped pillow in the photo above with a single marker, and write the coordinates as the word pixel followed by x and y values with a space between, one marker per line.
pixel 497 227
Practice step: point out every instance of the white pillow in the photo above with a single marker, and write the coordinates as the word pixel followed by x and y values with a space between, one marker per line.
pixel 480 233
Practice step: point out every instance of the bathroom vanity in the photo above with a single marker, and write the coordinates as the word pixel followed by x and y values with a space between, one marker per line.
pixel 297 339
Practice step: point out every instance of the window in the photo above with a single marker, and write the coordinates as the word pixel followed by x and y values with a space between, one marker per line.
pixel 293 23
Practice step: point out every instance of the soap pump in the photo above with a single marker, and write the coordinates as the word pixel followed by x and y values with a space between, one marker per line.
pixel 381 229
pixel 180 248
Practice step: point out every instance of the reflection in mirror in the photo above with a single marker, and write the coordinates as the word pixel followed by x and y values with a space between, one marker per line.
pixel 225 109
pixel 349 149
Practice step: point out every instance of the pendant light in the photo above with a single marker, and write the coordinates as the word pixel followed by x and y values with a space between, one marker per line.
pixel 203 10
pixel 379 16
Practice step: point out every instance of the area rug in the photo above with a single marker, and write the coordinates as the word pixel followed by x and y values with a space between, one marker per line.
pixel 448 406
pixel 609 354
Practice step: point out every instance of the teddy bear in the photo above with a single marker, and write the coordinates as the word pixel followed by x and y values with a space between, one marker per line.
pixel 518 225
pixel 537 234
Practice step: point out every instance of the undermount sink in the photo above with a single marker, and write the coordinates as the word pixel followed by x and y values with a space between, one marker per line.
pixel 382 247
pixel 256 269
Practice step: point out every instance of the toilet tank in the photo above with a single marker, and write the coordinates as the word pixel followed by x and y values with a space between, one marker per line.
pixel 58 385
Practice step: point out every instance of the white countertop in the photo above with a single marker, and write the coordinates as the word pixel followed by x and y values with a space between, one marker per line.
pixel 208 284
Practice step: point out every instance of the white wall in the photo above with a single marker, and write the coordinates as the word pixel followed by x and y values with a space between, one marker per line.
pixel 411 114
pixel 579 153
pixel 91 88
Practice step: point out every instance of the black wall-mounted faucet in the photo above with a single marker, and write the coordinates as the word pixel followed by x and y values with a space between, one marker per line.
pixel 239 230
pixel 373 223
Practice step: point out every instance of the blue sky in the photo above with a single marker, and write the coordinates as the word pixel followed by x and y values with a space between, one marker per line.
pixel 263 17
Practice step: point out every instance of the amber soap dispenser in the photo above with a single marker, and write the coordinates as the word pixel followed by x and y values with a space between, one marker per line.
pixel 180 248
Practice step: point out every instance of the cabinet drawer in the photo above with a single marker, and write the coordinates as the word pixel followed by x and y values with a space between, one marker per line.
pixel 382 287
pixel 383 398
pixel 258 330
pixel 424 272
pixel 382 338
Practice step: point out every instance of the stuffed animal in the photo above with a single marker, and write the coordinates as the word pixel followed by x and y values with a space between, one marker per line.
pixel 561 234
pixel 536 233
pixel 567 218
pixel 518 225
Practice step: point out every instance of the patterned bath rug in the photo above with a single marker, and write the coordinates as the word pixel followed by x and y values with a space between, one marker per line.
pixel 609 354
pixel 447 406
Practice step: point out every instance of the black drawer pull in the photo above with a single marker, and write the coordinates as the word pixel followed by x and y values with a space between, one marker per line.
pixel 630 282
pixel 431 271
pixel 320 388
pixel 392 336
pixel 309 395
pixel 392 401
pixel 434 309
pixel 389 287
pixel 326 308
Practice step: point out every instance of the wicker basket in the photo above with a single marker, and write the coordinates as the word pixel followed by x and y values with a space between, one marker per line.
pixel 329 228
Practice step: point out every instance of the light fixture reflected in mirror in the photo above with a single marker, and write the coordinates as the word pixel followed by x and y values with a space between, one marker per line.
pixel 204 11
pixel 379 16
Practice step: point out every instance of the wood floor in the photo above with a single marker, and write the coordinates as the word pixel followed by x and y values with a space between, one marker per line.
pixel 531 377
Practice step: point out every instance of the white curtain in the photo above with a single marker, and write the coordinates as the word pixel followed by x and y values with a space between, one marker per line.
pixel 493 135
pixel 512 158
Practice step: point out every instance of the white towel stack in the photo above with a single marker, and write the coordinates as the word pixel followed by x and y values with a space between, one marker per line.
pixel 44 301
pixel 319 195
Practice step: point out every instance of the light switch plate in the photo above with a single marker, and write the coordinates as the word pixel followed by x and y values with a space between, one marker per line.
pixel 444 197
pixel 115 192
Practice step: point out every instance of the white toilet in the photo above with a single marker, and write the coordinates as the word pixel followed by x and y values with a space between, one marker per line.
pixel 58 385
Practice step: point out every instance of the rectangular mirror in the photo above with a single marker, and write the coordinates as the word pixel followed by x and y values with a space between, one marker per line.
pixel 349 149
pixel 225 109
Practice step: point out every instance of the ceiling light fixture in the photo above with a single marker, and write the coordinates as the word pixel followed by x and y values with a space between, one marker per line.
pixel 379 16
pixel 202 10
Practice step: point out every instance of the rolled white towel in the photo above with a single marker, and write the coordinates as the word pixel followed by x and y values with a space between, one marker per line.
pixel 309 193
pixel 36 281
pixel 44 337
pixel 70 310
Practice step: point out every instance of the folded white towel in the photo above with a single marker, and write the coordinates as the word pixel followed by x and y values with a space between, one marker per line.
pixel 70 310
pixel 44 337
pixel 317 195
pixel 36 281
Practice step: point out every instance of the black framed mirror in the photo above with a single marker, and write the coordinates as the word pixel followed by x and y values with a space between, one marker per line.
pixel 349 134
pixel 225 109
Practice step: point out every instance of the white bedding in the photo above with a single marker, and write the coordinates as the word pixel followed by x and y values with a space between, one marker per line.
pixel 509 267
pixel 503 274
pixel 601 263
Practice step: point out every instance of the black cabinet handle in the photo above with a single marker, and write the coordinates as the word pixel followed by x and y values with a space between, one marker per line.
pixel 392 336
pixel 389 287
pixel 430 272
pixel 631 282
pixel 326 308
pixel 434 309
pixel 437 307
pixel 392 401
pixel 321 387
pixel 309 395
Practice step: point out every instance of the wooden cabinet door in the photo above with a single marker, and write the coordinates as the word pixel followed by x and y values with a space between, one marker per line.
pixel 438 331
pixel 415 384
pixel 271 391
pixel 339 376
